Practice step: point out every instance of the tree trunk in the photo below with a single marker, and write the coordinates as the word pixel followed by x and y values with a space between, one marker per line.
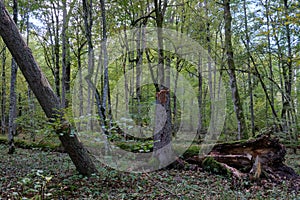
pixel 251 106
pixel 55 29
pixel 267 7
pixel 68 72
pixel 66 64
pixel 12 107
pixel 200 130
pixel 231 71
pixel 139 61
pixel 211 72
pixel 78 55
pixel 163 132
pixel 105 95
pixel 88 23
pixel 79 51
pixel 64 56
pixel 43 92
pixel 3 93
pixel 31 107
pixel 288 111
pixel 13 96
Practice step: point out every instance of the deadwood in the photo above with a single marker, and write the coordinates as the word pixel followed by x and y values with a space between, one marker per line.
pixel 262 156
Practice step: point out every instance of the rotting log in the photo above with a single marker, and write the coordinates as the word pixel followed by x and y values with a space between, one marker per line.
pixel 262 156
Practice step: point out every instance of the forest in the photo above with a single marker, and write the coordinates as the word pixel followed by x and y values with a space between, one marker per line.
pixel 154 99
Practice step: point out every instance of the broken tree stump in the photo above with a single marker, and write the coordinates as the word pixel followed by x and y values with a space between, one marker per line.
pixel 261 156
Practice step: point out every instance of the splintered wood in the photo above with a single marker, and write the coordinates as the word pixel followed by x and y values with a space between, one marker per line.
pixel 263 156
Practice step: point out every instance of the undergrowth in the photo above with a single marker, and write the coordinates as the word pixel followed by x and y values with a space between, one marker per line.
pixel 35 174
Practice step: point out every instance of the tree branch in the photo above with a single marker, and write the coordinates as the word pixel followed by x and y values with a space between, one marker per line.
pixel 146 17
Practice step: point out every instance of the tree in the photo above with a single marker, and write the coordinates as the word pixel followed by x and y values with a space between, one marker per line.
pixel 287 107
pixel 66 60
pixel 44 93
pixel 105 97
pixel 231 72
pixel 55 54
pixel 78 51
pixel 65 75
pixel 3 92
pixel 87 6
pixel 162 138
pixel 249 69
pixel 13 98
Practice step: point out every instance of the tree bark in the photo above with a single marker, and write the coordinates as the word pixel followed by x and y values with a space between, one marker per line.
pixel 55 29
pixel 43 92
pixel 30 98
pixel 163 132
pixel 231 71
pixel 251 106
pixel 12 107
pixel 3 93
pixel 261 157
pixel 105 63
pixel 267 7
pixel 138 89
pixel 64 56
pixel 287 113
pixel 88 23
pixel 13 96
pixel 66 63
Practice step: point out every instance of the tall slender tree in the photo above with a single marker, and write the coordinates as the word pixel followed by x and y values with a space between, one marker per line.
pixel 64 56
pixel 251 106
pixel 105 95
pixel 231 72
pixel 3 92
pixel 87 6
pixel 13 97
pixel 287 107
pixel 66 60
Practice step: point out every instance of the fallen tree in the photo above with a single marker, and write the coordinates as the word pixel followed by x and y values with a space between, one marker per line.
pixel 262 156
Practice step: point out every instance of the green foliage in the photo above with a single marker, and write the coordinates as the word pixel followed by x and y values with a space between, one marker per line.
pixel 193 18
pixel 136 146
pixel 44 144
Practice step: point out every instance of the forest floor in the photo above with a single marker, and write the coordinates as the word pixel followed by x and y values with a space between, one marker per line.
pixel 36 174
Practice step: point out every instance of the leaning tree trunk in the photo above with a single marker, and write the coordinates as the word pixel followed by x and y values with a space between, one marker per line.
pixel 43 92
